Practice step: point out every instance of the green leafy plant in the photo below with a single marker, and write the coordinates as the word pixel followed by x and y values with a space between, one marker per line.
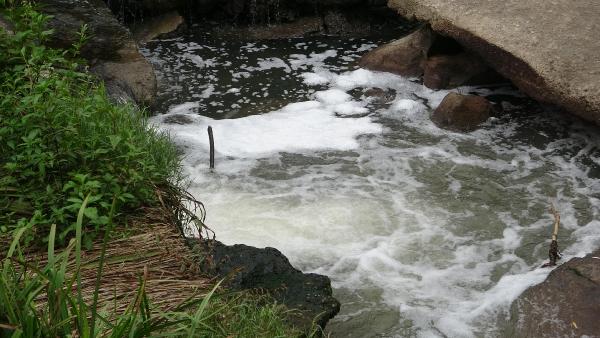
pixel 61 138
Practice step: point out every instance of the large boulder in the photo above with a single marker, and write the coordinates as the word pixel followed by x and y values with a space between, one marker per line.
pixel 269 270
pixel 566 304
pixel 548 49
pixel 405 56
pixel 451 71
pixel 461 113
pixel 110 48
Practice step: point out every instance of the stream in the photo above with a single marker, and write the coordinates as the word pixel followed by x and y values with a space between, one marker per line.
pixel 424 232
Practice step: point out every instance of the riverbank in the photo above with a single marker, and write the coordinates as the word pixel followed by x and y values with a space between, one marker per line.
pixel 94 213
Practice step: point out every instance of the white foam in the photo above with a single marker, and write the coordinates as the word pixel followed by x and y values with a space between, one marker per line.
pixel 295 128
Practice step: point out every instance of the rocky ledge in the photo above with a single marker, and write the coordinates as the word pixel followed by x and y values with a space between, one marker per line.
pixel 549 50
pixel 112 53
pixel 244 267
pixel 566 304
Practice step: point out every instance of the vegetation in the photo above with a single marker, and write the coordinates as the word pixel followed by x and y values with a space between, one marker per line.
pixel 49 302
pixel 72 164
pixel 62 139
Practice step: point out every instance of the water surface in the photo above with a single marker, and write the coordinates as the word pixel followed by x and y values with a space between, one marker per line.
pixel 424 232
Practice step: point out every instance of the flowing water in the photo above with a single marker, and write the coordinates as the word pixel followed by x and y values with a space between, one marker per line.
pixel 423 232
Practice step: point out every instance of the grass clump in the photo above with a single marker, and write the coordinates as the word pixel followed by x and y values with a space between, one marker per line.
pixel 50 299
pixel 61 138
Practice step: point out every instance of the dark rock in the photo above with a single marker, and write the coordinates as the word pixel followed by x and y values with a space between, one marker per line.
pixel 405 56
pixel 269 270
pixel 461 112
pixel 110 49
pixel 451 71
pixel 566 304
pixel 156 26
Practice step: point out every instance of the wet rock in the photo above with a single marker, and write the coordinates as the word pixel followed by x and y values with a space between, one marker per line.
pixel 405 56
pixel 461 113
pixel 548 50
pixel 156 26
pixel 380 96
pixel 566 304
pixel 451 71
pixel 110 49
pixel 269 270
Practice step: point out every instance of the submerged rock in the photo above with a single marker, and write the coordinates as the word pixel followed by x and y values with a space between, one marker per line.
pixel 461 112
pixel 110 49
pixel 566 304
pixel 451 71
pixel 405 56
pixel 269 270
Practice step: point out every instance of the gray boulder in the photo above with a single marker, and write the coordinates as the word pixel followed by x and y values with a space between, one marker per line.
pixel 405 56
pixel 566 304
pixel 462 113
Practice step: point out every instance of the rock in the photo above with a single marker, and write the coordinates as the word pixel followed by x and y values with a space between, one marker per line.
pixel 110 49
pixel 131 78
pixel 405 56
pixel 566 304
pixel 154 27
pixel 106 36
pixel 451 71
pixel 380 96
pixel 549 51
pixel 461 112
pixel 269 270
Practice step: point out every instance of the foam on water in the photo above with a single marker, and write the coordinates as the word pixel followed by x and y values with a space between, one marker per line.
pixel 424 232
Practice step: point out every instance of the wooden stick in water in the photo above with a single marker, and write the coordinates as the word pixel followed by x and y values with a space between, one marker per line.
pixel 211 141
